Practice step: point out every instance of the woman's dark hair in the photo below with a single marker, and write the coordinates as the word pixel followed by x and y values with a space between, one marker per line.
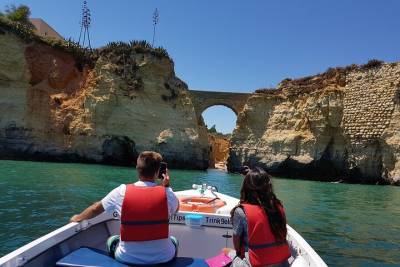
pixel 244 170
pixel 257 190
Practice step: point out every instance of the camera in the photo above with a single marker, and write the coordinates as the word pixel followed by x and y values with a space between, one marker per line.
pixel 163 170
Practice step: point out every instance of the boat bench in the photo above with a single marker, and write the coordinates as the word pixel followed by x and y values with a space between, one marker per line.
pixel 89 257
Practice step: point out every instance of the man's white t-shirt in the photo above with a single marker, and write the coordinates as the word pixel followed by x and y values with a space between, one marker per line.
pixel 141 252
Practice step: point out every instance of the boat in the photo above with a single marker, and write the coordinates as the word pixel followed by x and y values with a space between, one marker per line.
pixel 202 233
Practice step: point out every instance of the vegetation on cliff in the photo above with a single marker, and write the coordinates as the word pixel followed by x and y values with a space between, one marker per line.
pixel 16 20
pixel 213 131
pixel 26 33
pixel 332 77
pixel 123 57
pixel 119 49
pixel 18 14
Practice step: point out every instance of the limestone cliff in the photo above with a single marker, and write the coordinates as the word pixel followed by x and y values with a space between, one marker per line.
pixel 61 103
pixel 219 149
pixel 53 107
pixel 340 125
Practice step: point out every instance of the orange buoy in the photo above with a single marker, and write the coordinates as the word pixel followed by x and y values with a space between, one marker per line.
pixel 200 204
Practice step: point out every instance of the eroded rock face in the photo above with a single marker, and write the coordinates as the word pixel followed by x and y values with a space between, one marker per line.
pixel 52 110
pixel 219 149
pixel 343 124
pixel 14 82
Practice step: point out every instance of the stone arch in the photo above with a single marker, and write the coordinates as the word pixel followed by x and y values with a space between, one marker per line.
pixel 235 110
pixel 228 119
pixel 204 99
pixel 224 118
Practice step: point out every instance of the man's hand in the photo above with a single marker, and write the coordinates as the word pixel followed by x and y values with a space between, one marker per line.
pixel 165 181
pixel 89 213
pixel 75 218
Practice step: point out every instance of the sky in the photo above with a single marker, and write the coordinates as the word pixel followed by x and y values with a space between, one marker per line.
pixel 239 46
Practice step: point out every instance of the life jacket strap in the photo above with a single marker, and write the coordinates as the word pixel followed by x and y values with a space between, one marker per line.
pixel 267 245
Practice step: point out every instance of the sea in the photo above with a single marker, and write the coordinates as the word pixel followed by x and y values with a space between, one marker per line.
pixel 347 224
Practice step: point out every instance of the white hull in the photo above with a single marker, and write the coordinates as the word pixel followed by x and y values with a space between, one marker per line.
pixel 204 242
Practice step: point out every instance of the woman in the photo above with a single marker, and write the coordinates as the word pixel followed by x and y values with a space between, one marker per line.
pixel 259 224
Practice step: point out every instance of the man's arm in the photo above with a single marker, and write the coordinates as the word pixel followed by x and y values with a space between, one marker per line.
pixel 177 208
pixel 90 212
pixel 166 183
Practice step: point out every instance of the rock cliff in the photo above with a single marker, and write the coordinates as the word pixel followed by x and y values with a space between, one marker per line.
pixel 219 149
pixel 128 99
pixel 343 124
pixel 59 103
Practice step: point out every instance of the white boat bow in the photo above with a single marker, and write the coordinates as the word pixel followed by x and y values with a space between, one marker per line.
pixel 200 242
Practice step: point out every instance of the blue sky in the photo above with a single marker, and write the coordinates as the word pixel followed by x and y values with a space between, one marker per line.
pixel 240 46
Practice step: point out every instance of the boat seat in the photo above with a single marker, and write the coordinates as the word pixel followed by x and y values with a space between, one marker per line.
pixel 85 257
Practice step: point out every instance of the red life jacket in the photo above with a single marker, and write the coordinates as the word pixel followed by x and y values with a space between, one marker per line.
pixel 263 248
pixel 144 214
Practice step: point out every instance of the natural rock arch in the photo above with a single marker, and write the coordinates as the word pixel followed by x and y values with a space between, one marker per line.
pixel 204 99
pixel 219 142
pixel 226 105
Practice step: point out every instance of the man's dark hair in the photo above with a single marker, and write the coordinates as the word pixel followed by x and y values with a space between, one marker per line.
pixel 148 164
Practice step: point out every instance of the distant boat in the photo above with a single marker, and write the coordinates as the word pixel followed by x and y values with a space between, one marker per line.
pixel 202 227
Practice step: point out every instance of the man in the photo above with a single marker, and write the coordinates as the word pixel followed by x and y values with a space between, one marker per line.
pixel 144 209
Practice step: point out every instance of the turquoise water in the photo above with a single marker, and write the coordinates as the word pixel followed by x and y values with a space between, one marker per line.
pixel 348 225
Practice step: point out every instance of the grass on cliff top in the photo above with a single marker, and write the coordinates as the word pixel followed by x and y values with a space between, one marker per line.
pixel 138 47
pixel 268 91
pixel 332 76
pixel 81 54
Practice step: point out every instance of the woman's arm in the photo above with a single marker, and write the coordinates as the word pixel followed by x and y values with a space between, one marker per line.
pixel 237 243
pixel 238 218
pixel 90 212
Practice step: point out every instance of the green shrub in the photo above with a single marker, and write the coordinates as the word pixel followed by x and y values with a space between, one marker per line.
pixel 136 47
pixel 19 14
pixel 268 91
pixel 160 52
pixel 373 63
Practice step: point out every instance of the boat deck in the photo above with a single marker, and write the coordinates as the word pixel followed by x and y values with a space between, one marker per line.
pixel 89 257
